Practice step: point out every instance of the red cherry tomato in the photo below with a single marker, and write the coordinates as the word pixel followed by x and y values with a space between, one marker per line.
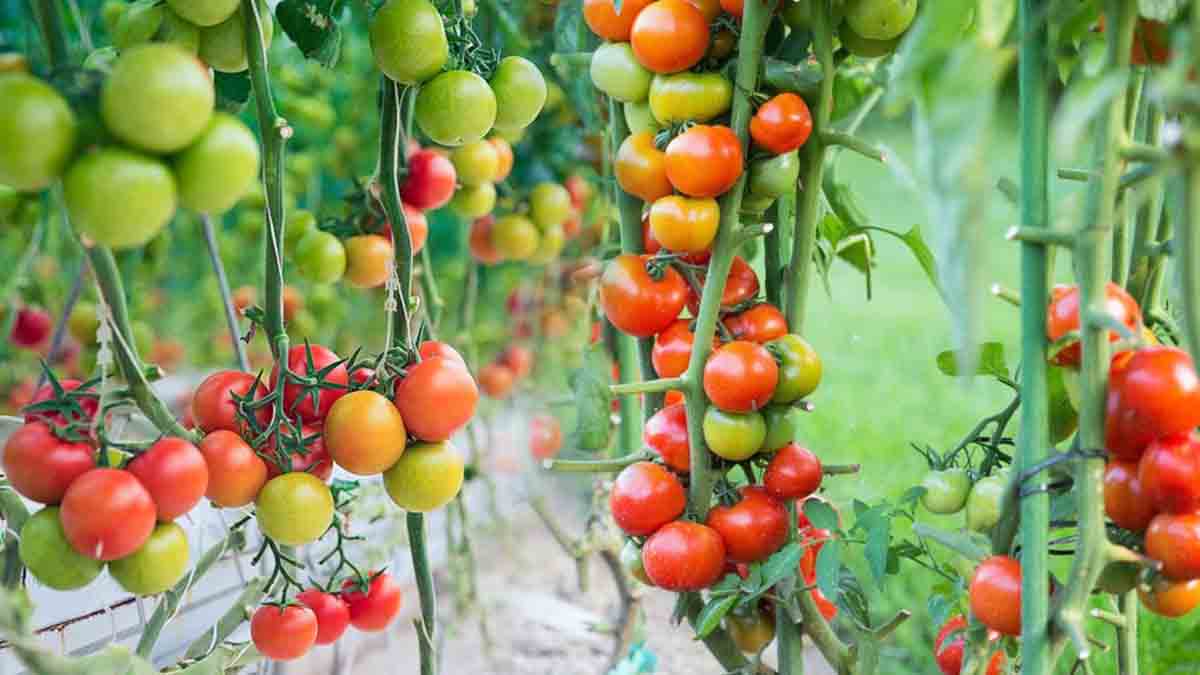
pixel 518 358
pixel 1169 473
pixel 1152 392
pixel 684 556
pixel 315 459
pixel 31 327
pixel 174 473
pixel 666 433
pixel 761 324
pixel 644 497
pixel 704 161
pixel 1125 499
pixel 1062 317
pixel 753 528
pixel 794 473
pixel 741 284
pixel 107 514
pixel 283 633
pixel 373 610
pixel 782 124
pixel 333 615
pixel 607 22
pixel 41 466
pixel 995 594
pixel 673 349
pixel 213 406
pixel 545 436
pixel 298 401
pixel 496 380
pixel 436 398
pixel 740 377
pixel 432 348
pixel 949 654
pixel 431 180
pixel 235 473
pixel 669 36
pixel 1174 540
pixel 636 302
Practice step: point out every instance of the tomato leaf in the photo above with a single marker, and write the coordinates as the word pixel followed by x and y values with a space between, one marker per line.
pixel 829 565
pixel 312 25
pixel 1161 10
pixel 782 564
pixel 233 90
pixel 879 536
pixel 853 598
pixel 990 361
pixel 710 617
pixel 593 400
pixel 821 515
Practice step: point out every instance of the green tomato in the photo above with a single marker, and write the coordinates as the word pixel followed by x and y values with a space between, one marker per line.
pixel 179 31
pixel 865 47
pixel 734 436
pixel 216 170
pixel 426 477
pixel 639 118
pixel 515 237
pixel 119 198
pixel 143 337
pixel 50 558
pixel 616 72
pixel 755 205
pixel 409 40
pixel 689 97
pixel 456 107
pixel 520 92
pixel 631 560
pixel 321 257
pixel 313 112
pixel 204 12
pixel 880 19
pixel 158 98
pixel 39 132
pixel 945 491
pixel 550 245
pixel 1119 577
pixel 849 91
pixel 294 508
pixel 300 222
pixel 138 24
pixel 474 202
pixel 549 204
pixel 110 14
pixel 83 323
pixel 984 506
pixel 475 163
pixel 223 46
pixel 155 567
pixel 783 422
pixel 799 368
pixel 775 176
pixel 10 203
pixel 797 15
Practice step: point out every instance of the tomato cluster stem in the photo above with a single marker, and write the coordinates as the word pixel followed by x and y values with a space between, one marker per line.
pixel 231 321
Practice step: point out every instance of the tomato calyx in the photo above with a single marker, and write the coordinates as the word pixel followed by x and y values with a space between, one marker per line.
pixel 68 410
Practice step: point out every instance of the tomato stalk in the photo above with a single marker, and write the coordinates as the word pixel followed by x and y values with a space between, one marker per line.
pixel 658 386
pixel 427 627
pixel 613 464
pixel 14 512
pixel 231 321
pixel 1152 229
pixel 49 18
pixel 9 295
pixel 1187 238
pixel 395 113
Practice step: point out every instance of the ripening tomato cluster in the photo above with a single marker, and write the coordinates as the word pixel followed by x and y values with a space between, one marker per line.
pixel 538 230
pixel 284 632
pixel 950 646
pixel 513 364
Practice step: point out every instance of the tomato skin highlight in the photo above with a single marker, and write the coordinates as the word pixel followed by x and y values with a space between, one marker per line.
pixel 1152 392
pixel 782 124
pixel 753 528
pixel 704 161
pixel 666 433
pixel 373 610
pixel 40 466
pixel 283 633
pixel 995 593
pixel 107 514
pixel 436 398
pixel 684 556
pixel 740 377
pixel 635 302
pixel 235 473
pixel 1174 540
pixel 173 471
pixel 645 497
pixel 333 614
pixel 793 473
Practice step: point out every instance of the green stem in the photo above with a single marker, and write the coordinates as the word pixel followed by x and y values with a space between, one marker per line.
pixel 1149 220
pixel 646 386
pixel 1151 299
pixel 427 626
pixel 831 137
pixel 233 618
pixel 14 512
pixel 1127 653
pixel 391 158
pixel 231 321
pixel 789 637
pixel 429 284
pixel 783 211
pixel 49 18
pixel 9 297
pixel 613 464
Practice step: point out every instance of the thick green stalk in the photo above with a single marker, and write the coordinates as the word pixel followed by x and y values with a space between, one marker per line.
pixel 1034 67
pixel 1127 656
pixel 231 322
pixel 1149 221
pixel 789 638
pixel 14 512
pixel 427 627
pixel 49 18
pixel 1151 299
pixel 391 158
pixel 784 211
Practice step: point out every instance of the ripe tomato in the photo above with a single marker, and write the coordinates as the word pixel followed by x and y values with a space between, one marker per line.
pixel 549 204
pixel 880 19
pixel 753 632
pixel 157 565
pixel 1169 474
pixel 430 182
pixel 39 129
pixel 666 433
pixel 426 477
pixel 545 436
pixel 782 124
pixel 332 612
pixel 312 406
pixel 761 323
pixel 945 491
pixel 637 303
pixel 794 473
pixel 520 93
pixel 799 368
pixel 408 40
pixel 372 606
pixel 1151 43
pixel 1152 393
pixel 740 377
pixel 364 433
pixel 294 509
pixel 734 436
pixel 995 594
pixel 107 514
pixel 49 557
pixel 515 237
pixel 753 528
pixel 283 633
pixel 741 284
pixel 480 241
pixel 949 655
pixel 1174 539
pixel 418 227
pixel 31 327
pixel 456 107
pixel 368 260
pixel 158 98
pixel 436 398
pixel 669 36
pixel 608 22
pixel 1062 317
pixel 615 71
pixel 174 473
pixel 213 406
pixel 685 225
pixel 314 460
pixel 119 198
pixel 40 466
pixel 641 168
pixel 496 380
pixel 644 497
pixel 218 169
pixel 684 556
pixel 673 349
pixel 431 348
pixel 505 153
pixel 235 473
pixel 733 7
pixel 1171 598
pixel 689 97
pixel 704 161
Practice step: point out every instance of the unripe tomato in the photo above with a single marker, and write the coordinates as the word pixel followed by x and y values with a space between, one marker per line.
pixel 368 260
pixel 505 154
pixel 549 204
pixel 83 322
pixel 734 436
pixel 39 131
pixel 235 473
pixel 40 466
pixel 364 433
pixel 456 107
pixel 373 606
pixel 223 46
pixel 545 436
pixel 641 168
pixel 615 71
pixel 799 368
pixel 689 97
pixel 1062 317
pixel 639 119
pixel 475 163
pixel 1169 473
pixel 294 508
pixel 1152 393
pixel 119 198
pixel 684 556
pixel 638 303
pixel 782 124
pixel 666 434
pixel 204 12
pixel 426 477
pixel 945 491
pixel 608 22
pixel 215 171
pixel 753 528
pixel 520 92
pixel 307 360
pixel 1174 540
pixel 995 594
pixel 515 237
pixel 761 323
pixel 321 257
pixel 436 398
pixel 985 503
pixel 496 380
pixel 157 565
pixel 774 177
pixel 550 246
pixel 1125 499
pixel 173 471
pixel 333 614
pixel 430 182
pixel 631 560
pixel 213 406
pixel 704 161
pixel 740 377
pixel 31 327
pixel 685 225
pixel 107 514
pixel 752 632
pixel 880 19
pixel 866 47
pixel 645 497
pixel 793 473
pixel 1151 43
pixel 46 553
pixel 669 36
pixel 1171 599
pixel 783 421
pixel 283 633
pixel 158 98
pixel 408 40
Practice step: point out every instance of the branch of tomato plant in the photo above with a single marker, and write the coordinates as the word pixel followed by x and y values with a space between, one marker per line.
pixel 605 465
pixel 231 321
pixel 1120 258
pixel 427 624
pixel 14 512
pixel 9 296
pixel 1186 243
pixel 391 165
pixel 49 18
pixel 1090 252
pixel 573 547
pixel 433 298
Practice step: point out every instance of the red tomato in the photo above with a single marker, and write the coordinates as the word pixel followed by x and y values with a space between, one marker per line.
pixel 107 514
pixel 612 25
pixel 545 436
pixel 518 358
pixel 1169 473
pixel 1152 393
pixel 373 610
pixel 740 377
pixel 31 327
pixel 213 406
pixel 1151 43
pixel 1125 499
pixel 761 324
pixel 669 36
pixel 684 556
pixel 431 180
pixel 673 349
pixel 644 497
pixel 496 380
pixel 753 528
pixel 312 406
pixel 431 348
pixel 480 241
pixel 949 655
pixel 315 459
pixel 704 161
pixel 436 398
pixel 794 473
pixel 235 473
pixel 666 433
pixel 283 633
pixel 741 284
pixel 1174 540
pixel 88 404
pixel 995 594
pixel 782 124
pixel 174 473
pixel 733 7
pixel 637 303
pixel 1062 317
pixel 41 466
pixel 1171 598
pixel 674 396
pixel 333 614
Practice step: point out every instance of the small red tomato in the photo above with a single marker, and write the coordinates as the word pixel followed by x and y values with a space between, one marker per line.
pixel 333 615
pixel 307 361
pixel 107 514
pixel 644 497
pixel 684 556
pixel 431 180
pixel 87 404
pixel 637 302
pixel 315 459
pixel 31 327
pixel 741 284
pixel 373 610
pixel 704 161
pixel 1152 392
pixel 782 124
pixel 41 466
pixel 432 348
pixel 1169 473
pixel 740 377
pixel 213 406
pixel 666 433
pixel 948 649
pixel 1174 540
pixel 1062 317
pixel 518 358
pixel 174 473
pixel 794 473
pixel 761 324
pixel 1125 499
pixel 436 398
pixel 753 528
pixel 283 633
pixel 545 436
pixel 995 594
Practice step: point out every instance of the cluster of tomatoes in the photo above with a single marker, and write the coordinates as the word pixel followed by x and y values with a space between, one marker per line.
pixel 213 30
pixel 538 230
pixel 949 648
pixel 513 364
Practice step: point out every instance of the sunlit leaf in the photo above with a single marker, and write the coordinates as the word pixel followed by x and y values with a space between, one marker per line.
pixel 990 361
pixel 312 25
pixel 710 617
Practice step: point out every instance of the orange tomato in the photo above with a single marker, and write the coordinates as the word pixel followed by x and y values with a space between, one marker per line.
pixel 704 161
pixel 685 225
pixel 605 21
pixel 505 152
pixel 641 168
pixel 368 258
pixel 1171 598
pixel 669 36
pixel 480 241
pixel 782 124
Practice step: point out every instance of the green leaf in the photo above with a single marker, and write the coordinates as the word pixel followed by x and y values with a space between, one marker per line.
pixel 821 515
pixel 879 535
pixel 782 564
pixel 857 250
pixel 1165 11
pixel 233 90
pixel 994 18
pixel 593 401
pixel 939 608
pixel 1080 105
pixel 853 598
pixel 710 617
pixel 829 565
pixel 311 24
pixel 832 228
pixel 990 361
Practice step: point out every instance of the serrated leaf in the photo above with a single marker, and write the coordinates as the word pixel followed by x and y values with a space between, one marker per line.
pixel 710 617
pixel 829 564
pixel 782 564
pixel 312 26
pixel 821 515
pixel 1165 11
pixel 832 228
pixel 233 90
pixel 990 361
pixel 879 535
